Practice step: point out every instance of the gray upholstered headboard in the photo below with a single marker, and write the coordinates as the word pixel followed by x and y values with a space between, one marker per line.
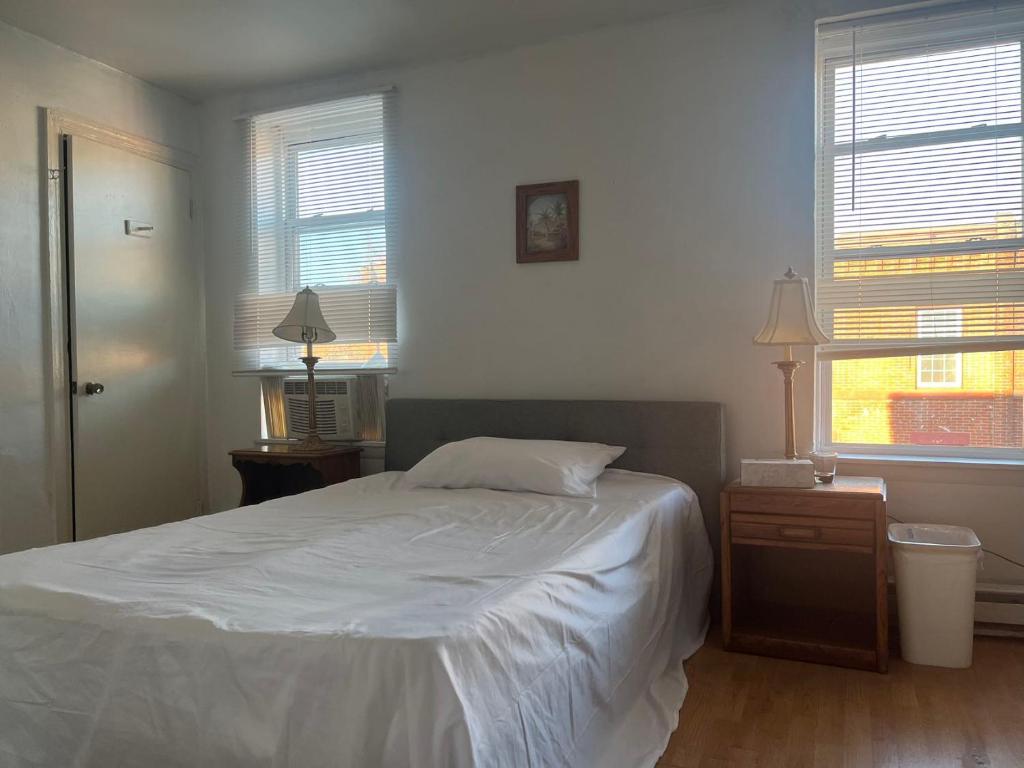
pixel 684 440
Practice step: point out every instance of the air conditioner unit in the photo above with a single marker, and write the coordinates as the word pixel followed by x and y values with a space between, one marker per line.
pixel 334 412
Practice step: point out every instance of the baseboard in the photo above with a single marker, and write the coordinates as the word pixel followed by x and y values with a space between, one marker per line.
pixel 998 609
pixel 999 630
pixel 999 605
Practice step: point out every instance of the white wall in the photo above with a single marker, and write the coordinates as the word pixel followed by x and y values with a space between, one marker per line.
pixel 35 74
pixel 692 138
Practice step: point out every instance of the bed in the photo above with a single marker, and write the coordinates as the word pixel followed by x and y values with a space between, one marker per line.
pixel 369 624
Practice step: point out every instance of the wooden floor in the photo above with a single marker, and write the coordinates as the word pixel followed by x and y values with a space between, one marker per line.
pixel 752 711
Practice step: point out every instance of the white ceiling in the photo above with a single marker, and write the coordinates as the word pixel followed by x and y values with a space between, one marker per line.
pixel 200 47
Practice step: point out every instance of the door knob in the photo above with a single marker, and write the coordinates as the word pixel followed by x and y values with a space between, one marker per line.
pixel 93 388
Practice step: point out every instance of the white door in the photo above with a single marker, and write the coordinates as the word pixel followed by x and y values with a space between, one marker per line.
pixel 135 331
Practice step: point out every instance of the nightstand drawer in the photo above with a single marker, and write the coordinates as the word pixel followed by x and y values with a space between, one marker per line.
pixel 782 504
pixel 805 530
pixel 798 520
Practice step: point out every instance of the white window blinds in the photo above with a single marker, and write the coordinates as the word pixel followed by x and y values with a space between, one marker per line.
pixel 919 188
pixel 320 212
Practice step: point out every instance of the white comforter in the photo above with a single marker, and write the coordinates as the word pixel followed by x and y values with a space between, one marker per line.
pixel 362 625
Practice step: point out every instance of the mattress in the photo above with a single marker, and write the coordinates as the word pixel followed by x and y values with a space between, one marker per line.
pixel 364 624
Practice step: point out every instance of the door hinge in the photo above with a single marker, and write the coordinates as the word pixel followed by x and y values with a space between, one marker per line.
pixel 53 173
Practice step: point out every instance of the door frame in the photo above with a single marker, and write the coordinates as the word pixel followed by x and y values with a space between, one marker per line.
pixel 58 123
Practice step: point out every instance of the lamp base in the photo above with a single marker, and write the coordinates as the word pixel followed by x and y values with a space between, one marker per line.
pixel 313 443
pixel 788 367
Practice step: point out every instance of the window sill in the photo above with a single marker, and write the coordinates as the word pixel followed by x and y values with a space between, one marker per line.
pixel 934 462
pixel 356 443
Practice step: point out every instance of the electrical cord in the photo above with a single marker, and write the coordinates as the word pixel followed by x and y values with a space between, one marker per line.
pixel 1010 560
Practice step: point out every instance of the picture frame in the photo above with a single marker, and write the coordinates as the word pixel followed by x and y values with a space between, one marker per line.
pixel 547 222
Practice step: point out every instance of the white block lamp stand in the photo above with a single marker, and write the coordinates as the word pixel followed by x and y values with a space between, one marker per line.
pixel 777 473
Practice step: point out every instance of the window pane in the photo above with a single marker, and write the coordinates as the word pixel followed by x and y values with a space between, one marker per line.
pixel 354 355
pixel 1003 261
pixel 342 255
pixel 900 323
pixel 340 355
pixel 946 193
pixel 947 323
pixel 340 178
pixel 938 370
pixel 939 91
pixel 880 402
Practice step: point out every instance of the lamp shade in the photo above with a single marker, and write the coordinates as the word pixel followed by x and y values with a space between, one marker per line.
pixel 791 314
pixel 305 322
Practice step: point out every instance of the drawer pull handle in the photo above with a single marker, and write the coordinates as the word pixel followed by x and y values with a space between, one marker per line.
pixel 799 533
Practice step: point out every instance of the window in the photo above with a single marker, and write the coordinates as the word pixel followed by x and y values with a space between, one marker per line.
pixel 939 370
pixel 919 241
pixel 319 214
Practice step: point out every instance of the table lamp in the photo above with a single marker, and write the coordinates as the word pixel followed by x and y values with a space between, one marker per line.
pixel 305 324
pixel 790 321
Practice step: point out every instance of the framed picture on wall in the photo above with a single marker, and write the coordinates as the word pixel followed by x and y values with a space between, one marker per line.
pixel 547 222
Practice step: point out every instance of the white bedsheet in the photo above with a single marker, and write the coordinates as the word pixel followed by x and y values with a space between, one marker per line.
pixel 362 625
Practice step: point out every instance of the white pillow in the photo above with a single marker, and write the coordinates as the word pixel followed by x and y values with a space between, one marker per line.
pixel 555 467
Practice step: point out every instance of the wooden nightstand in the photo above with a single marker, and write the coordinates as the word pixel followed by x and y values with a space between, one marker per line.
pixel 804 572
pixel 271 471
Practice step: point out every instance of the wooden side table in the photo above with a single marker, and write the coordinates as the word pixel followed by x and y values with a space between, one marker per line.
pixel 804 572
pixel 272 471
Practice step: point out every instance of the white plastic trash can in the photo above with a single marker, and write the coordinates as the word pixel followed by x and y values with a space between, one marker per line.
pixel 936 569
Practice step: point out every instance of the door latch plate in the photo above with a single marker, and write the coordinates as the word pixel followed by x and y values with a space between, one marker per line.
pixel 137 228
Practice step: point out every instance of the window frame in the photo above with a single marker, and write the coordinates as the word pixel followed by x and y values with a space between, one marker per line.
pixel 827 154
pixel 343 247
